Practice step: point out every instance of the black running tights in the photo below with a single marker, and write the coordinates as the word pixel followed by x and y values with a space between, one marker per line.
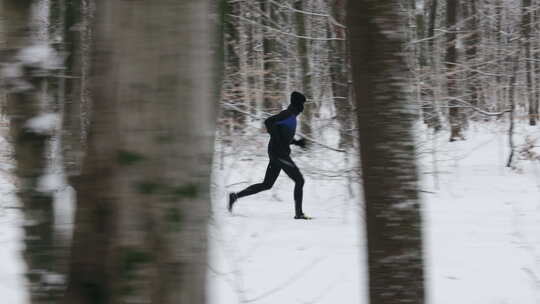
pixel 272 172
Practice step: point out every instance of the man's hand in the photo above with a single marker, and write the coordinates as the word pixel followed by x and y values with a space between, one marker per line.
pixel 301 142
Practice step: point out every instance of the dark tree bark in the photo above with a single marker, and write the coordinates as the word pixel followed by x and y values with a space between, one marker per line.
pixel 526 33
pixel 270 50
pixel 340 73
pixel 432 19
pixel 499 85
pixel 536 56
pixel 419 24
pixel 305 72
pixel 431 114
pixel 455 115
pixel 471 43
pixel 385 121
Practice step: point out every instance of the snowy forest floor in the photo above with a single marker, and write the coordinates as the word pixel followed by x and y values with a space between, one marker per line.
pixel 481 222
pixel 260 254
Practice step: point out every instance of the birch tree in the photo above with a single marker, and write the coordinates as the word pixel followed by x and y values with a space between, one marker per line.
pixel 143 195
pixel 29 61
pixel 385 121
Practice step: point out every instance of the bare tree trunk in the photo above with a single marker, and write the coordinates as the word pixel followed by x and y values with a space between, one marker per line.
pixel 455 116
pixel 499 86
pixel 511 97
pixel 421 32
pixel 526 32
pixel 25 85
pixel 431 110
pixel 269 56
pixel 143 199
pixel 3 22
pixel 472 41
pixel 432 19
pixel 339 73
pixel 257 40
pixel 305 71
pixel 536 55
pixel 243 61
pixel 385 121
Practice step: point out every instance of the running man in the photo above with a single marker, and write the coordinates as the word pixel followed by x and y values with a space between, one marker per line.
pixel 282 128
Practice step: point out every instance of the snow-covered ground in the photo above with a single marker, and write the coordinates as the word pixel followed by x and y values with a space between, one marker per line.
pixel 260 254
pixel 482 229
pixel 483 223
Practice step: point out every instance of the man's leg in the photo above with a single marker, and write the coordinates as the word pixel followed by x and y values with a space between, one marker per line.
pixel 293 172
pixel 272 173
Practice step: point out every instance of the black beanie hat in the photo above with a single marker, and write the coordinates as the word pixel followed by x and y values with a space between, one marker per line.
pixel 297 99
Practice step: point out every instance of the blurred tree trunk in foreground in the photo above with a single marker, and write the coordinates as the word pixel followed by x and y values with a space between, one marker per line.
pixel 143 195
pixel 385 120
pixel 27 61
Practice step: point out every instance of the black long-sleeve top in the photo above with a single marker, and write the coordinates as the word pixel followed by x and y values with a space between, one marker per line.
pixel 282 128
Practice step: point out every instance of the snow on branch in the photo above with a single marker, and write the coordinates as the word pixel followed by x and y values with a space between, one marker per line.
pixel 41 56
pixel 478 65
pixel 470 106
pixel 283 32
pixel 258 117
pixel 34 60
pixel 44 123
pixel 331 19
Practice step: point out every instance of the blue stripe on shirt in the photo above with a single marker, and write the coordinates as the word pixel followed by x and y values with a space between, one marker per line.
pixel 289 122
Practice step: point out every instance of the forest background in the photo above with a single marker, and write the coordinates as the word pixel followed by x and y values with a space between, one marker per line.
pixel 101 99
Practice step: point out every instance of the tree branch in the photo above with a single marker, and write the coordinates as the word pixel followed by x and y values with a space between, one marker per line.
pixel 237 109
pixel 283 32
